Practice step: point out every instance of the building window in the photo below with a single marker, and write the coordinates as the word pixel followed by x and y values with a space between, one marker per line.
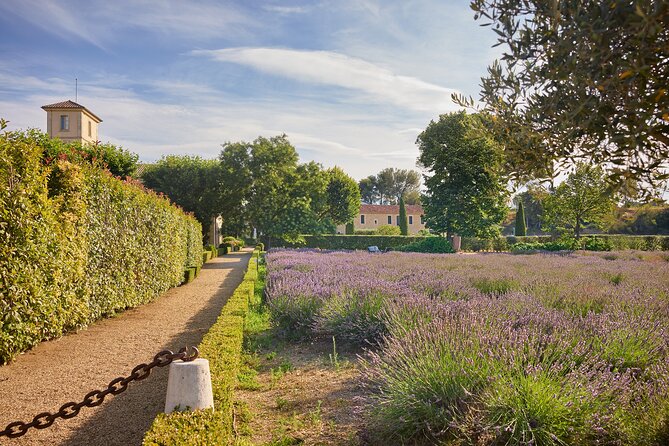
pixel 422 219
pixel 376 222
pixel 362 219
pixel 90 129
pixel 397 220
pixel 390 220
pixel 64 122
pixel 410 219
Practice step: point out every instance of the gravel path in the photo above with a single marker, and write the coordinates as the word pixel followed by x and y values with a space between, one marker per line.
pixel 65 369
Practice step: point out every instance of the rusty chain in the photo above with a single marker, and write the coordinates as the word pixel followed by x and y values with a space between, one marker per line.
pixel 96 397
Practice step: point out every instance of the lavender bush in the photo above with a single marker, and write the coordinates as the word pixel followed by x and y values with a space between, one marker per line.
pixel 494 348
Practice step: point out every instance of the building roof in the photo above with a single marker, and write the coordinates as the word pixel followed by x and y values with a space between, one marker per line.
pixel 390 209
pixel 70 105
pixel 141 168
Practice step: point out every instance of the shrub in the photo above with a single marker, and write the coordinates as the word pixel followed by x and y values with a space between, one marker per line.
pixel 597 244
pixel 388 230
pixel 260 247
pixel 434 245
pixel 353 317
pixel 77 244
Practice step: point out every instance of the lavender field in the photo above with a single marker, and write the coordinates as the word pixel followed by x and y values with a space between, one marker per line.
pixel 491 349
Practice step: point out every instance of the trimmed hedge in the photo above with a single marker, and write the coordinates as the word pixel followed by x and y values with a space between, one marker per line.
pixel 340 241
pixel 222 346
pixel 605 242
pixel 77 244
pixel 434 245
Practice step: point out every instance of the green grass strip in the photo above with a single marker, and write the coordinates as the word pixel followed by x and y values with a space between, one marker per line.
pixel 222 346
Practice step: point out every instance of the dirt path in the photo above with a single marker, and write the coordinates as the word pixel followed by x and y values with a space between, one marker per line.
pixel 301 395
pixel 66 369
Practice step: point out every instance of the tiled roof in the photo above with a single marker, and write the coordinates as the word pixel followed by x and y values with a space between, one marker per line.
pixel 141 168
pixel 70 105
pixel 390 209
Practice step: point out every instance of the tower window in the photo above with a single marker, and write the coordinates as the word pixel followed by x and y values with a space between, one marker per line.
pixel 362 219
pixel 90 129
pixel 64 122
pixel 410 219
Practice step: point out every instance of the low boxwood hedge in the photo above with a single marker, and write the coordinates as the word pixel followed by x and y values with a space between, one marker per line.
pixel 222 346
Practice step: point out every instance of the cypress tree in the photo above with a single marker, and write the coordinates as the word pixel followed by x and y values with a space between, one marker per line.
pixel 404 224
pixel 521 224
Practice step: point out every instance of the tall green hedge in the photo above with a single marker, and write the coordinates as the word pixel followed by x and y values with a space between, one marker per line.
pixel 77 244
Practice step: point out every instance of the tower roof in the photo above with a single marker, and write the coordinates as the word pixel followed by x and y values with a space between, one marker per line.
pixel 70 105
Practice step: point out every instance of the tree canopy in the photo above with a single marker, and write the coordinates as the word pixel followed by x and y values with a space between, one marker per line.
pixel 584 198
pixel 466 190
pixel 189 181
pixel 264 187
pixel 389 185
pixel 580 81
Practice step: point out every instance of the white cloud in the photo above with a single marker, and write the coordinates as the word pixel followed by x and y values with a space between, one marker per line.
pixel 330 68
pixel 285 10
pixel 326 133
pixel 99 22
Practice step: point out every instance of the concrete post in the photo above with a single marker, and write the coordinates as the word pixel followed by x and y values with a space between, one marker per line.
pixel 457 243
pixel 189 386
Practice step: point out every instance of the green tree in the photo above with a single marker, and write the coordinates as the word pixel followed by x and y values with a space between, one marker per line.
pixel 412 197
pixel 268 190
pixel 583 199
pixel 521 225
pixel 190 182
pixel 235 186
pixel 342 197
pixel 580 81
pixel 350 229
pixel 368 191
pixel 404 221
pixel 532 200
pixel 391 184
pixel 466 191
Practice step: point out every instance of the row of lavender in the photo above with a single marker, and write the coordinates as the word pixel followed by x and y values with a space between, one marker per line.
pixel 493 348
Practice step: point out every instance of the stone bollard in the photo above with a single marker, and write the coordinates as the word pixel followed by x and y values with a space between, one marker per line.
pixel 189 386
pixel 457 243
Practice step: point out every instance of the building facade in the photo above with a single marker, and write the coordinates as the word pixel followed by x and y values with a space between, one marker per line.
pixel 372 216
pixel 71 122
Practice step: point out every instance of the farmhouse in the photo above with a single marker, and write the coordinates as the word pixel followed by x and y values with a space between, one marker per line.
pixel 372 216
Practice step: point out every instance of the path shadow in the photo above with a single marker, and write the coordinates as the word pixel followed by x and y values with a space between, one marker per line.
pixel 128 416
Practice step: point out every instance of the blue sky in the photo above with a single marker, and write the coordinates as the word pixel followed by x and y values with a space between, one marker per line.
pixel 351 82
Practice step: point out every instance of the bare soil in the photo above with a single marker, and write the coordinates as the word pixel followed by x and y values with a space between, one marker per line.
pixel 66 369
pixel 304 396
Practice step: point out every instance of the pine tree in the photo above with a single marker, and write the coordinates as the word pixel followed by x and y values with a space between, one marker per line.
pixel 404 224
pixel 521 225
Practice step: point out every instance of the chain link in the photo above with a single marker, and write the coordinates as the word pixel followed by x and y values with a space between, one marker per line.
pixel 97 397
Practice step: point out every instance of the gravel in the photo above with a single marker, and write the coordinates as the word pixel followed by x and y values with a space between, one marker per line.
pixel 66 369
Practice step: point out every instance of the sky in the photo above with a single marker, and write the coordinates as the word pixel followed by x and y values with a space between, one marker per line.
pixel 350 82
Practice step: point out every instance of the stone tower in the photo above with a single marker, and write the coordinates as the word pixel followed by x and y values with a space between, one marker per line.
pixel 71 122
